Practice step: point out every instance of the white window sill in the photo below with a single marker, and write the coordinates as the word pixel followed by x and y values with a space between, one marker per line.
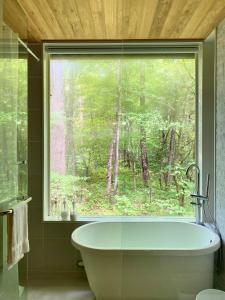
pixel 86 219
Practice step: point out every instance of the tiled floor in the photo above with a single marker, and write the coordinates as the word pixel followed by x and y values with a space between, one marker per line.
pixel 48 290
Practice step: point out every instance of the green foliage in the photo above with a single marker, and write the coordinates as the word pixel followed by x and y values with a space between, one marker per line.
pixel 94 93
pixel 13 123
pixel 66 186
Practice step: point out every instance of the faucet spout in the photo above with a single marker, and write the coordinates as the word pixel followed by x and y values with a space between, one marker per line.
pixel 198 203
pixel 197 169
pixel 200 199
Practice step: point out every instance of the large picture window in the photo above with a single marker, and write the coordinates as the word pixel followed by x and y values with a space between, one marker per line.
pixel 121 133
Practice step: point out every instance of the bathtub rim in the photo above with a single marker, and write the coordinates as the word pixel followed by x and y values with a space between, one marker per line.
pixel 213 247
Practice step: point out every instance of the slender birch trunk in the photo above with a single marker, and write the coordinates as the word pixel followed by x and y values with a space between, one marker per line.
pixel 110 165
pixel 171 155
pixel 143 148
pixel 117 137
pixel 134 174
pixel 70 108
pixel 144 162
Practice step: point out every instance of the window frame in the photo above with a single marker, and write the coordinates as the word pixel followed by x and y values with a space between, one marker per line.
pixel 196 48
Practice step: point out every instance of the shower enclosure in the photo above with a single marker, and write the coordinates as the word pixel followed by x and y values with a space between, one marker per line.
pixel 13 147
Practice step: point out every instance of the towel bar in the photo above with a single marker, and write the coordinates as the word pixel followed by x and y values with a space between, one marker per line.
pixel 10 211
pixel 6 212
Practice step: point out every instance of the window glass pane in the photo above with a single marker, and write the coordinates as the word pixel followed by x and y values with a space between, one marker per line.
pixel 122 132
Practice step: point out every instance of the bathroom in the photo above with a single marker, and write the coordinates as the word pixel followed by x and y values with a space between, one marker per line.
pixel 112 145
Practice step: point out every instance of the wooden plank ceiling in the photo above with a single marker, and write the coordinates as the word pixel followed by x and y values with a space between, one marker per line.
pixel 37 20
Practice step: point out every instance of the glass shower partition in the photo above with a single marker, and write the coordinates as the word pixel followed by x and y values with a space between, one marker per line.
pixel 22 148
pixel 8 115
pixel 13 149
pixel 22 119
pixel 8 152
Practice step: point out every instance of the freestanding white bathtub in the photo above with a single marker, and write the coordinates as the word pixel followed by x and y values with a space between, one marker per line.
pixel 147 260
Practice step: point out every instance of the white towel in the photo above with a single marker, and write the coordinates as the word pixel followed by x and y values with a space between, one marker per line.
pixel 18 243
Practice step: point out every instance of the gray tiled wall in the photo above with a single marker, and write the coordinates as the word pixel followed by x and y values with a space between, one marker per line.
pixel 220 141
pixel 51 249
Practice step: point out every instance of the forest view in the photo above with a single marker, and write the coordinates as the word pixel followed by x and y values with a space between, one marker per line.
pixel 13 124
pixel 122 133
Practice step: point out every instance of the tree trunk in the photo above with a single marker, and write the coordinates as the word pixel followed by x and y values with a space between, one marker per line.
pixel 171 155
pixel 180 192
pixel 143 148
pixel 70 109
pixel 126 158
pixel 134 175
pixel 162 163
pixel 58 130
pixel 144 162
pixel 116 169
pixel 110 165
pixel 117 137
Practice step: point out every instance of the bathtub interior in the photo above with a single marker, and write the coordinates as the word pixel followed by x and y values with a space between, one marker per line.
pixel 144 236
